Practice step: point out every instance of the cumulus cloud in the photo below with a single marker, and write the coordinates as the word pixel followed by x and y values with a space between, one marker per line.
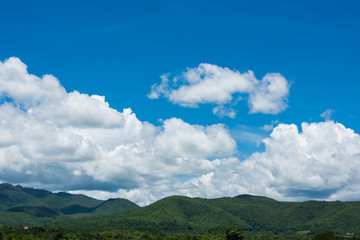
pixel 321 162
pixel 72 141
pixel 270 96
pixel 59 140
pixel 212 84
pixel 182 139
pixel 24 88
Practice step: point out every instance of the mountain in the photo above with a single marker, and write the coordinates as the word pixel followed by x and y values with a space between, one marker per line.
pixel 35 211
pixel 11 196
pixel 29 206
pixel 176 214
pixel 114 205
pixel 62 200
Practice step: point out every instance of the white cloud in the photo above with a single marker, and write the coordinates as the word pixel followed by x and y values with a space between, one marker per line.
pixel 62 140
pixel 79 110
pixel 270 127
pixel 209 83
pixel 222 111
pixel 327 114
pixel 72 141
pixel 180 139
pixel 270 96
pixel 24 88
pixel 321 162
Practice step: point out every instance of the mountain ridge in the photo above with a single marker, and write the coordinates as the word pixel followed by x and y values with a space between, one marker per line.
pixel 178 214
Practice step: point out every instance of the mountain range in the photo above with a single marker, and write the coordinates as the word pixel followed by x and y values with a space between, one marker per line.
pixel 176 214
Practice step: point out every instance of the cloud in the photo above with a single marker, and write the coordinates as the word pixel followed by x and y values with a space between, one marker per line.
pixel 59 140
pixel 212 84
pixel 327 114
pixel 270 127
pixel 321 162
pixel 180 139
pixel 270 96
pixel 24 88
pixel 72 141
pixel 222 111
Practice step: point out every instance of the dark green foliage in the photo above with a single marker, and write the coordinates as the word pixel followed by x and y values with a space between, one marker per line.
pixel 169 215
pixel 19 205
pixel 38 193
pixel 11 196
pixel 326 236
pixel 61 200
pixel 35 211
pixel 114 205
pixel 76 208
pixel 234 234
pixel 257 216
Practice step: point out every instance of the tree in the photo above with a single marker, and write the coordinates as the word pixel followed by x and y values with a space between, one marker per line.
pixel 234 234
pixel 326 236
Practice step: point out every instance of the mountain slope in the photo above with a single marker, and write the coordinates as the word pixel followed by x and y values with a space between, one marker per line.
pixel 250 213
pixel 114 205
pixel 62 200
pixel 176 214
pixel 28 206
pixel 11 196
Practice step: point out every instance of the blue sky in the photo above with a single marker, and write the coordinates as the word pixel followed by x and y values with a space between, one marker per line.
pixel 119 49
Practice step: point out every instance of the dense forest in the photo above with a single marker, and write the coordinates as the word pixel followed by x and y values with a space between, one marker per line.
pixel 232 233
pixel 27 213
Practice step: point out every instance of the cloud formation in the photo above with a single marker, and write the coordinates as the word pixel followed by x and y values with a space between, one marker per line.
pixel 60 140
pixel 212 84
pixel 321 162
pixel 65 141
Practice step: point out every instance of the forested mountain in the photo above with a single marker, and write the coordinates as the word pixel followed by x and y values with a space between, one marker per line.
pixel 177 214
pixel 28 206
pixel 250 213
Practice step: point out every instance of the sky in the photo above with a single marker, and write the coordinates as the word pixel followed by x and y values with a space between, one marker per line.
pixel 148 99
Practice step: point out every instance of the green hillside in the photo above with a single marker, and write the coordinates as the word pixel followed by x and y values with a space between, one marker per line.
pixel 28 206
pixel 62 200
pixel 114 205
pixel 255 214
pixel 177 214
pixel 11 196
pixel 38 193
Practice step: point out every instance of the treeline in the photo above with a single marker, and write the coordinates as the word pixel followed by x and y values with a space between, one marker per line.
pixel 231 233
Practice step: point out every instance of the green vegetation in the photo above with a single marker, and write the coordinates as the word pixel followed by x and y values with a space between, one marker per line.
pixel 30 207
pixel 252 214
pixel 48 233
pixel 243 217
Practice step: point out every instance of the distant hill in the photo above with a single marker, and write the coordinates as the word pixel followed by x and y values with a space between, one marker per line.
pixel 35 211
pixel 29 206
pixel 38 193
pixel 114 205
pixel 177 214
pixel 62 200
pixel 250 213
pixel 11 196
